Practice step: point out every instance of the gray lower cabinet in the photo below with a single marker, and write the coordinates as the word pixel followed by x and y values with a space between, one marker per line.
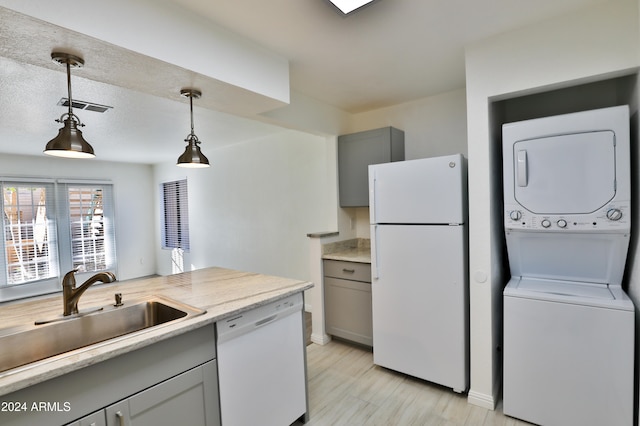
pixel 356 151
pixel 179 400
pixel 173 381
pixel 347 300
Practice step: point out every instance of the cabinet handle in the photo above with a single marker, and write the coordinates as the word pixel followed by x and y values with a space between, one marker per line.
pixel 120 418
pixel 349 271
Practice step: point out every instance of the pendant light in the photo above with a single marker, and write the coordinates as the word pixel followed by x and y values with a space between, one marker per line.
pixel 69 142
pixel 192 156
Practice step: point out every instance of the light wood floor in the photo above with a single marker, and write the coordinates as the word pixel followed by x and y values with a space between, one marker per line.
pixel 345 388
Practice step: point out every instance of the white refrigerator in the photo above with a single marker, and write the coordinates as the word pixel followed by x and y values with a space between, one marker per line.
pixel 420 296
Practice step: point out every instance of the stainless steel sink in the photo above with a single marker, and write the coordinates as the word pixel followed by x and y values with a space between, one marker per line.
pixel 24 345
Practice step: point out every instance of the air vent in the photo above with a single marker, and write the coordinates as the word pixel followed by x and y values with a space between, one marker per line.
pixel 87 106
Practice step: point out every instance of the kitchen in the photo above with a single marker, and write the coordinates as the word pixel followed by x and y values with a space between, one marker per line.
pixel 446 117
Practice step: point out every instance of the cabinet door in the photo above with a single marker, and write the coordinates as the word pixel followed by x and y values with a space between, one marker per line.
pixel 190 398
pixel 356 152
pixel 348 310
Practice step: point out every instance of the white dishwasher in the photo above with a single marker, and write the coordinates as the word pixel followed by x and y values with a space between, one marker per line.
pixel 261 365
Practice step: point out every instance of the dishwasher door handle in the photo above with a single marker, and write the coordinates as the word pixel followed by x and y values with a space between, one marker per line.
pixel 265 320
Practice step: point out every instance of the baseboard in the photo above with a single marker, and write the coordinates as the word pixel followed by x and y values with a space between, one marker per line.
pixel 482 400
pixel 320 339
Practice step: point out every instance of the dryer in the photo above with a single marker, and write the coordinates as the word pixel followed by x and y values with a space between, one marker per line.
pixel 568 325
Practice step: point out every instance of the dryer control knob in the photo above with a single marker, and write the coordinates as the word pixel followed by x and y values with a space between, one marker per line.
pixel 545 223
pixel 515 215
pixel 614 214
pixel 562 223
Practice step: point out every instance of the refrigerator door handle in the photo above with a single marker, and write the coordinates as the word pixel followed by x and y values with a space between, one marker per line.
pixel 374 253
pixel 372 197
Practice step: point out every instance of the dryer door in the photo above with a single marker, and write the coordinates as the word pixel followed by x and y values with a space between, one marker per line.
pixel 565 174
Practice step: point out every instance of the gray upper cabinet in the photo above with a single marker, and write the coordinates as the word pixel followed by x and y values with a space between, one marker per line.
pixel 356 152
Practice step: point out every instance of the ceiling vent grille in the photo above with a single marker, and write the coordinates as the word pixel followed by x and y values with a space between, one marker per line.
pixel 87 106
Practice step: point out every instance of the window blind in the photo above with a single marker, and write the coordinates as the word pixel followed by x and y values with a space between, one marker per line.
pixel 175 230
pixel 29 225
pixel 91 227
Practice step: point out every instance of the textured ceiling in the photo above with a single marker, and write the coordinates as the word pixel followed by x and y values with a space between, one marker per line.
pixel 389 52
pixel 149 119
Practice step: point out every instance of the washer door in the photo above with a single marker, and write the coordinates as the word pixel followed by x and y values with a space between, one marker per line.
pixel 565 174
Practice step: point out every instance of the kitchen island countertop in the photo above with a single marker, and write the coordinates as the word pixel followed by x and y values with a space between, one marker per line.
pixel 221 292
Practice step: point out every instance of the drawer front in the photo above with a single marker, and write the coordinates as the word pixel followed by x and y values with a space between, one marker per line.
pixel 347 270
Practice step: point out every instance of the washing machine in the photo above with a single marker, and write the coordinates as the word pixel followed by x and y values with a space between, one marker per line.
pixel 568 324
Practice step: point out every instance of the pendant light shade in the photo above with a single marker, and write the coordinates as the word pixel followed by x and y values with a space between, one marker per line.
pixel 192 156
pixel 69 142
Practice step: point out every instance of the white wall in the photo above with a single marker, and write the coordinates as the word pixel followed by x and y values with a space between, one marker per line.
pixel 432 126
pixel 134 202
pixel 592 44
pixel 252 209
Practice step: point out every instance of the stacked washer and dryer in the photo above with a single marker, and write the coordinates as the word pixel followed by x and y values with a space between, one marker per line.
pixel 568 324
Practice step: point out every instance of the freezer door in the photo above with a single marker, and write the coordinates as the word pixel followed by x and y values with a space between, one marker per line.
pixel 420 302
pixel 424 191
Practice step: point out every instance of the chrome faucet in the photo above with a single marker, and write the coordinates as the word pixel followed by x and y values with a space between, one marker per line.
pixel 71 294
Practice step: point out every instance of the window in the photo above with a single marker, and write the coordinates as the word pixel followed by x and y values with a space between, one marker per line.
pixel 175 223
pixel 89 242
pixel 29 234
pixel 52 226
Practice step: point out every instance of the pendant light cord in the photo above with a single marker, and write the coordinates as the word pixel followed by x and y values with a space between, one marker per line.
pixel 70 114
pixel 69 88
pixel 191 108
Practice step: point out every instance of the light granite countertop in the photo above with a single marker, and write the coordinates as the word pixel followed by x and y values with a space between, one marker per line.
pixel 354 250
pixel 221 292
